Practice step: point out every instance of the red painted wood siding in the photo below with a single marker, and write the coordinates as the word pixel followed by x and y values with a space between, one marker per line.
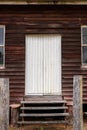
pixel 65 20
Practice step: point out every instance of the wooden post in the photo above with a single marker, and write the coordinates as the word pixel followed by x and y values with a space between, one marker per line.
pixel 14 113
pixel 77 103
pixel 4 104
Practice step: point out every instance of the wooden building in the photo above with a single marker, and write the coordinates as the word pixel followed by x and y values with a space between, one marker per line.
pixel 42 46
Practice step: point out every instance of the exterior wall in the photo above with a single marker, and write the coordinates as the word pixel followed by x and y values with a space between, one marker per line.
pixel 20 20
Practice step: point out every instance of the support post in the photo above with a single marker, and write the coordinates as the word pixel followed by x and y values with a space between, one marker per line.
pixel 4 104
pixel 77 103
pixel 14 114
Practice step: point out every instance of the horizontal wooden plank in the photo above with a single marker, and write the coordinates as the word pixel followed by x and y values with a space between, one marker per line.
pixel 43 122
pixel 43 102
pixel 85 113
pixel 44 115
pixel 44 108
pixel 62 20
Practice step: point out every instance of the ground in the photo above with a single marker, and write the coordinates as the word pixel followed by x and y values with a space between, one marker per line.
pixel 41 127
pixel 48 127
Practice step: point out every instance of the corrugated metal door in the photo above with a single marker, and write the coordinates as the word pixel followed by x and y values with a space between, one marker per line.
pixel 43 65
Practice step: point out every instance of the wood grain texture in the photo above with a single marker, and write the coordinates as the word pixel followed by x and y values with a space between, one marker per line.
pixel 43 2
pixel 77 103
pixel 4 104
pixel 21 20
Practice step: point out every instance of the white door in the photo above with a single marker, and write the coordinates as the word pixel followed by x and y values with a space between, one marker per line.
pixel 43 64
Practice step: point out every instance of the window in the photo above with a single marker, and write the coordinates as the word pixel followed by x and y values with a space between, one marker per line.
pixel 2 46
pixel 84 45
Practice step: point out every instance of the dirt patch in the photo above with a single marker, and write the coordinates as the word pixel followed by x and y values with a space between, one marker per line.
pixel 47 127
pixel 41 127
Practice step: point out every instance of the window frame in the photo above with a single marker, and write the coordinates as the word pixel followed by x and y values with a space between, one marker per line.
pixel 3 47
pixel 84 65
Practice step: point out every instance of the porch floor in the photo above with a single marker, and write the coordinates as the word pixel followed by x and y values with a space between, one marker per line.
pixel 43 98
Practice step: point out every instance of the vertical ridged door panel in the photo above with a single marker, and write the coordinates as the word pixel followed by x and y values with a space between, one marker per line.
pixel 43 65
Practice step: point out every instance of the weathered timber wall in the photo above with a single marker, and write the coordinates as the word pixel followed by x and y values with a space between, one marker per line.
pixel 77 103
pixel 4 104
pixel 28 19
